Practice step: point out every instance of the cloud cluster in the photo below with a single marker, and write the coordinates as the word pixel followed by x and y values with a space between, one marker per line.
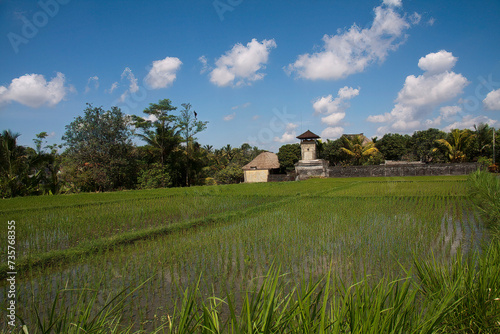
pixel 33 90
pixel 492 100
pixel 289 135
pixel 241 65
pixel 353 50
pixel 334 110
pixel 163 72
pixel 468 122
pixel 421 94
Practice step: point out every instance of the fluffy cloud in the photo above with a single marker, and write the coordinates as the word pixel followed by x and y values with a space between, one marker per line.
pixel 492 100
pixel 438 62
pixel 95 80
pixel 449 112
pixel 332 132
pixel 421 94
pixel 353 50
pixel 334 109
pixel 163 72
pixel 468 122
pixel 241 65
pixel 289 135
pixel 431 89
pixel 33 90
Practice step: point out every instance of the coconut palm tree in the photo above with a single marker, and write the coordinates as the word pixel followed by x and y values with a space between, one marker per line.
pixel 456 144
pixel 358 149
pixel 13 164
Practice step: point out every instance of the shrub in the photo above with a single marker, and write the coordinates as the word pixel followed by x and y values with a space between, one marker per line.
pixel 154 177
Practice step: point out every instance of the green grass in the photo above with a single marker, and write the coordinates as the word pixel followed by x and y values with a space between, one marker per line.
pixel 222 241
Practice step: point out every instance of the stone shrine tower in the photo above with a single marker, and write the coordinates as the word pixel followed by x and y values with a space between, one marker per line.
pixel 308 145
pixel 310 165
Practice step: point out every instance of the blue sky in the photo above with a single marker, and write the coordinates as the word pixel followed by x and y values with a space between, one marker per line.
pixel 261 72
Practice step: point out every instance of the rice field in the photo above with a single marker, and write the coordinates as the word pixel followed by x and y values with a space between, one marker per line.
pixel 223 239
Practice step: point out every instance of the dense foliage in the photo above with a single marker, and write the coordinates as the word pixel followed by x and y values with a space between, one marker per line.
pixel 289 155
pixel 99 153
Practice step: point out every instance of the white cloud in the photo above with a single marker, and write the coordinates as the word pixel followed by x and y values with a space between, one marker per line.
pixel 151 118
pixel 492 100
pixel 163 72
pixel 332 132
pixel 127 72
pixel 448 112
pixel 415 18
pixel 242 106
pixel 353 50
pixel 431 89
pixel 123 96
pixel 289 135
pixel 204 64
pixel 334 108
pixel 333 119
pixel 468 122
pixel 112 88
pixel 421 94
pixel 229 117
pixel 433 123
pixel 94 79
pixel 438 62
pixel 33 90
pixel 396 3
pixel 241 65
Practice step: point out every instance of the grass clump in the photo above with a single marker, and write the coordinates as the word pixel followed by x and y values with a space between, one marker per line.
pixel 484 189
pixel 463 297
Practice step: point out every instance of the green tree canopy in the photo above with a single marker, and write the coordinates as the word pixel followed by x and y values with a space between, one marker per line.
pixel 189 126
pixel 289 155
pixel 159 130
pixel 99 146
pixel 423 144
pixel 394 146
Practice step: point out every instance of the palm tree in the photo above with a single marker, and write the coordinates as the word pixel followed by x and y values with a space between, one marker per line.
pixel 159 129
pixel 13 162
pixel 358 150
pixel 484 136
pixel 457 143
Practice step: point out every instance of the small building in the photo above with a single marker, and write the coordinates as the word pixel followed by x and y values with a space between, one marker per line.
pixel 259 169
pixel 310 165
pixel 308 145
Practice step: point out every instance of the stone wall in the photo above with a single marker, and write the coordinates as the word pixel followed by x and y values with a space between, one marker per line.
pixel 280 177
pixel 403 170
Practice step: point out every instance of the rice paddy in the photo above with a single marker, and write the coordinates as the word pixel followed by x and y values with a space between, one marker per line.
pixel 224 239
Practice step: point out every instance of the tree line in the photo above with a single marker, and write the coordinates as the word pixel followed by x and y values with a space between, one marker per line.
pixel 98 153
pixel 428 146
